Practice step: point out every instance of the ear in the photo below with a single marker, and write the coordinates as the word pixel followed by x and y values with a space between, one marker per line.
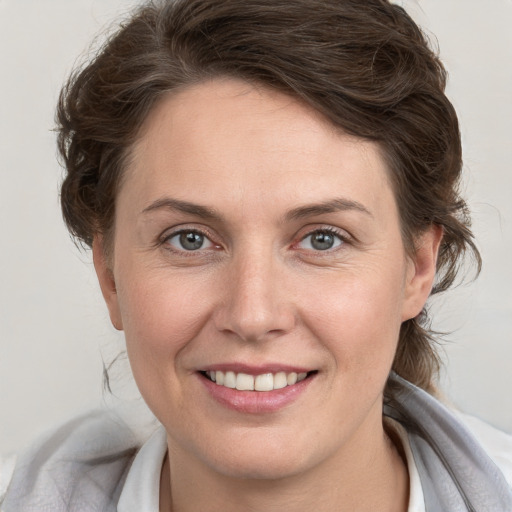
pixel 421 272
pixel 107 282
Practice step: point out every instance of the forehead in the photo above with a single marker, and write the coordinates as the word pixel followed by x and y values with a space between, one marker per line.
pixel 228 141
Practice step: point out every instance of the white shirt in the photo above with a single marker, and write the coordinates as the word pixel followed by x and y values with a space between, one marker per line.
pixel 141 491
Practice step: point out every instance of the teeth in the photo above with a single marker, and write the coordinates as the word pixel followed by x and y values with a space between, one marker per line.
pixel 263 382
pixel 244 382
pixel 230 380
pixel 291 379
pixel 280 380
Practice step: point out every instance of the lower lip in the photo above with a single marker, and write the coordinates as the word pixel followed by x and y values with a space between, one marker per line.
pixel 256 402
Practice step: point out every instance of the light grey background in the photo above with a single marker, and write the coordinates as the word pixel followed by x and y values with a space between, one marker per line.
pixel 54 329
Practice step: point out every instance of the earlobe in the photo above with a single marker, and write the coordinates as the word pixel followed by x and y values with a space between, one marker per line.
pixel 107 282
pixel 421 272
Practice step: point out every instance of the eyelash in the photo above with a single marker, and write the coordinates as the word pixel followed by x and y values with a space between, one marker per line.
pixel 341 236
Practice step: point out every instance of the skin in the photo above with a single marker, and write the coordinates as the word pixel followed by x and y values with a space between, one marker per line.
pixel 258 291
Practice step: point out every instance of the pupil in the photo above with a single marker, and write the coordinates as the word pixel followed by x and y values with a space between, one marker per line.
pixel 322 241
pixel 191 241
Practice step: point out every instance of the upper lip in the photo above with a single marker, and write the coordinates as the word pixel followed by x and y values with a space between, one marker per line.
pixel 256 369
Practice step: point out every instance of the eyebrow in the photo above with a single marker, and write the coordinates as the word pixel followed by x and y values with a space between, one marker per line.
pixel 309 210
pixel 197 210
pixel 331 206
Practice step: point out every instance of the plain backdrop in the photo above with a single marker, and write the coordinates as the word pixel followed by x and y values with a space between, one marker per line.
pixel 54 329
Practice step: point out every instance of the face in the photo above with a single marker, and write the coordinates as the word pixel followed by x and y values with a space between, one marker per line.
pixel 257 246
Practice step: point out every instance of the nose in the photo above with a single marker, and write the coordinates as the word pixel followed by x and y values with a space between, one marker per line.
pixel 256 304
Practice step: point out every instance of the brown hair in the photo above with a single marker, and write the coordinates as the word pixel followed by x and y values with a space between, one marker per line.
pixel 365 65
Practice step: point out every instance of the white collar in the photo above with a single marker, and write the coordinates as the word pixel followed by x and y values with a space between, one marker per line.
pixel 141 490
pixel 416 499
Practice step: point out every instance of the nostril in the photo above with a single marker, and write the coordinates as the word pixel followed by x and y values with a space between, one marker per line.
pixel 254 324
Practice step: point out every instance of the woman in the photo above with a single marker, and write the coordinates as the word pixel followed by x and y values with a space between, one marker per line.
pixel 269 189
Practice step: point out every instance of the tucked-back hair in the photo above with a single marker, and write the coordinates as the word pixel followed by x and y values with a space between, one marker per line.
pixel 364 65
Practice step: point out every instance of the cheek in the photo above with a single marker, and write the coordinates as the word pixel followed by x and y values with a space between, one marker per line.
pixel 358 317
pixel 161 315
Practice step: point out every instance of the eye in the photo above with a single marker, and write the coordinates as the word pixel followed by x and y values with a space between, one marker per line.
pixel 189 240
pixel 321 240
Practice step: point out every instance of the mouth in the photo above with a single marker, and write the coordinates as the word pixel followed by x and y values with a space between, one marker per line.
pixel 263 382
pixel 256 390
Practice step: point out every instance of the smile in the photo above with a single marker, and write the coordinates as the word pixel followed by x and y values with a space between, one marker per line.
pixel 256 390
pixel 262 382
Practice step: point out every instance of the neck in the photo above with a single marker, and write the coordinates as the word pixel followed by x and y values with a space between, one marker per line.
pixel 366 477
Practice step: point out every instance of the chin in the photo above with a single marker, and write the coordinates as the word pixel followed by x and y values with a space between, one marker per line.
pixel 260 468
pixel 270 457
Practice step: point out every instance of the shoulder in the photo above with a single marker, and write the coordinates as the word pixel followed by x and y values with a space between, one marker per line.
pixel 460 459
pixel 496 443
pixel 68 464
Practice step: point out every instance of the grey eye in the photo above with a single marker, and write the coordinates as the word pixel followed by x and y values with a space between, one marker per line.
pixel 320 241
pixel 190 241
